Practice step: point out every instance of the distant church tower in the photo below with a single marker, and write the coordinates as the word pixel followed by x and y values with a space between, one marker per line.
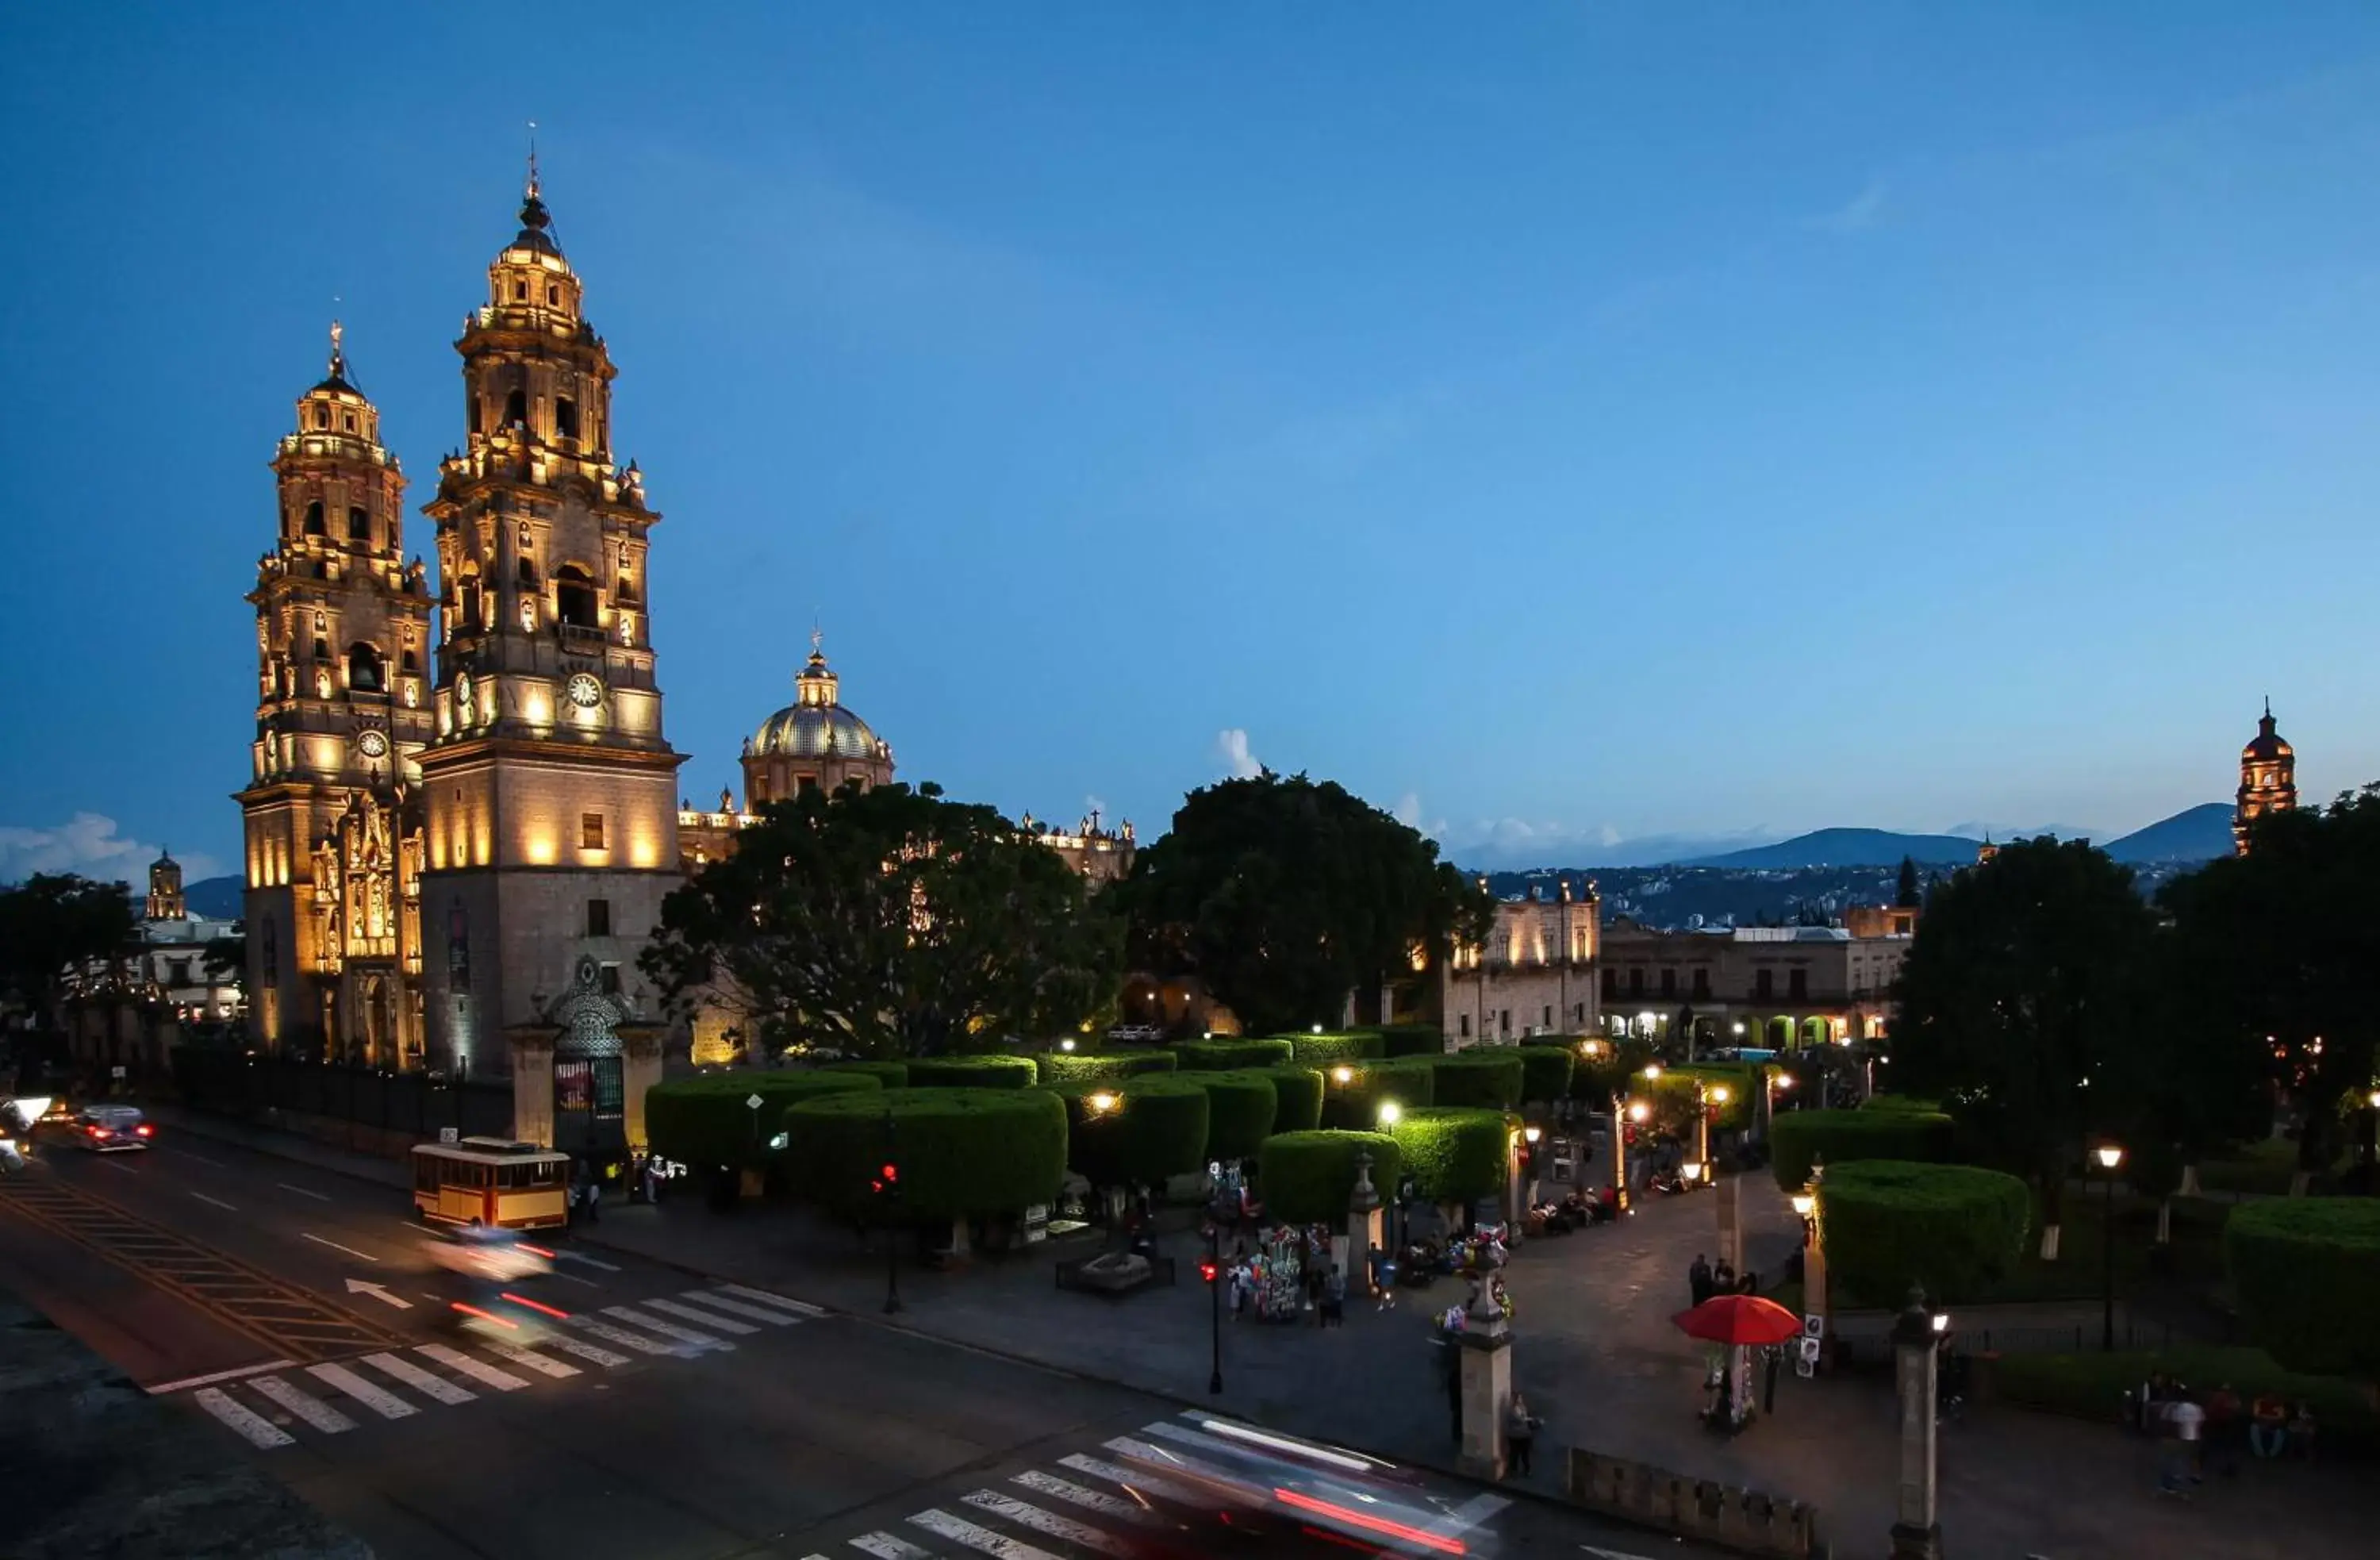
pixel 551 791
pixel 333 840
pixel 2268 779
pixel 164 889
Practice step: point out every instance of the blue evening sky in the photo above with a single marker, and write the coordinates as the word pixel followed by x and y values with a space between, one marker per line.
pixel 1561 422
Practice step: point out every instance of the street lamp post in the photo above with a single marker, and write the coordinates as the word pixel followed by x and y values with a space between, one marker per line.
pixel 2110 1156
pixel 1916 1340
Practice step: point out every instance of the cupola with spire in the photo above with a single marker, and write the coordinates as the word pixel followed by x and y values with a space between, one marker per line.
pixel 2268 779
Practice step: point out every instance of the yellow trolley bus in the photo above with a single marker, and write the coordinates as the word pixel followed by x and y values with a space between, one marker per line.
pixel 489 1182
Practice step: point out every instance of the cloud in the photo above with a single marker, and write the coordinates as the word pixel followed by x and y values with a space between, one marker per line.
pixel 88 844
pixel 1858 214
pixel 1408 811
pixel 1231 747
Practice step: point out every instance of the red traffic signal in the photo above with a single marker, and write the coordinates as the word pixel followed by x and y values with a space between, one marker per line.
pixel 891 1173
pixel 1207 1269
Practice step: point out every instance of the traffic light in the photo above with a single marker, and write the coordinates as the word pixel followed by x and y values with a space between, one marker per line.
pixel 1207 1269
pixel 887 1182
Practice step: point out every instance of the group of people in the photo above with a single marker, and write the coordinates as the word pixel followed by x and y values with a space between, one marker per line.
pixel 2188 1423
pixel 1288 1277
pixel 1705 1280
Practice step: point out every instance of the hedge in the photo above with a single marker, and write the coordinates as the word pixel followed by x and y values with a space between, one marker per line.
pixel 2307 1271
pixel 1152 1127
pixel 1953 1229
pixel 703 1120
pixel 1229 1055
pixel 1900 1102
pixel 1454 1153
pixel 1330 1049
pixel 1354 1105
pixel 1489 1077
pixel 973 1072
pixel 1306 1177
pixel 1297 1093
pixel 1240 1108
pixel 891 1075
pixel 2092 1386
pixel 1100 1066
pixel 1546 1072
pixel 961 1151
pixel 1798 1137
pixel 1411 1039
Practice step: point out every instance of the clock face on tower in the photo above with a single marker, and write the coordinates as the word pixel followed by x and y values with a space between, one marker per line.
pixel 584 689
pixel 372 743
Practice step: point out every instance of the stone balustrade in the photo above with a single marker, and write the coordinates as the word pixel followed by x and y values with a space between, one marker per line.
pixel 1725 1515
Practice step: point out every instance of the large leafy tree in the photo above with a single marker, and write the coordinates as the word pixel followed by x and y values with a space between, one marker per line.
pixel 889 922
pixel 2278 952
pixel 1284 893
pixel 53 922
pixel 2022 993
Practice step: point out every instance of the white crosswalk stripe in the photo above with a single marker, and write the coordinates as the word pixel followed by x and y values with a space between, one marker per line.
pixel 652 1323
pixel 251 1426
pixel 688 1314
pixel 478 1369
pixel 710 1301
pixel 387 1405
pixel 1025 1514
pixel 314 1410
pixel 625 1339
pixel 942 1524
pixel 529 1360
pixel 1089 1499
pixel 1130 1478
pixel 884 1546
pixel 588 1351
pixel 420 1380
pixel 800 1308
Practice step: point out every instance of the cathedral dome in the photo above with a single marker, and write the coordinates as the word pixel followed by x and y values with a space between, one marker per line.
pixel 816 726
pixel 2267 744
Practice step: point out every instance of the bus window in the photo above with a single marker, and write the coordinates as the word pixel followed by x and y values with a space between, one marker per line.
pixel 544 1173
pixel 425 1173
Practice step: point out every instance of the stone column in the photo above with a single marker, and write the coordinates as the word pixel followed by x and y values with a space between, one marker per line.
pixel 1618 1147
pixel 1730 1222
pixel 1916 1532
pixel 1487 1364
pixel 532 1062
pixel 641 1068
pixel 1363 1227
pixel 1515 1210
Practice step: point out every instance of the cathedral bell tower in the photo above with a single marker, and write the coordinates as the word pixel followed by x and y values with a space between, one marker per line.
pixel 2268 779
pixel 333 831
pixel 550 789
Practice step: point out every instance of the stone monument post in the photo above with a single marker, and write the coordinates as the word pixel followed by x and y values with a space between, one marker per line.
pixel 1916 1532
pixel 1363 1227
pixel 1730 1221
pixel 1485 1361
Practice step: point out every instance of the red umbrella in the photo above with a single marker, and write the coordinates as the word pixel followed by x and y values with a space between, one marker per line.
pixel 1739 1319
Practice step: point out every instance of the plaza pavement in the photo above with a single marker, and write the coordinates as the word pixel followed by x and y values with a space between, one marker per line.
pixel 1595 1353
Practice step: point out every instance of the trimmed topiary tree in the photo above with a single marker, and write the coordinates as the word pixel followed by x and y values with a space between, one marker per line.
pixel 1331 1048
pixel 1546 1072
pixel 1454 1153
pixel 1099 1067
pixel 1306 1177
pixel 1241 1109
pixel 1411 1039
pixel 1954 1230
pixel 891 1075
pixel 1135 1133
pixel 703 1120
pixel 1487 1076
pixel 973 1072
pixel 1228 1054
pixel 2307 1271
pixel 1297 1094
pixel 1352 1104
pixel 1796 1138
pixel 961 1151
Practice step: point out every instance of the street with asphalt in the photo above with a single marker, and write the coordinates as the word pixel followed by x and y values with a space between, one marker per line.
pixel 291 1307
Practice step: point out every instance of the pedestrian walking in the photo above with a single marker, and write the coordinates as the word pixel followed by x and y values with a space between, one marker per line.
pixel 1520 1434
pixel 1698 1279
pixel 2190 1429
pixel 1384 1278
pixel 1723 1277
pixel 594 1196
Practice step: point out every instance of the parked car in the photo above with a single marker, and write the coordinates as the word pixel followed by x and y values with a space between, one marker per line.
pixel 112 1128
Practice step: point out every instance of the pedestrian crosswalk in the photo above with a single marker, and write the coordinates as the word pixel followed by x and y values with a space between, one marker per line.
pixel 272 1409
pixel 1101 1503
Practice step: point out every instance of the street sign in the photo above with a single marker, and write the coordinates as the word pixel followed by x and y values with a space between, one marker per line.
pixel 449 1135
pixel 1813 1327
pixel 754 1102
pixel 1806 1369
pixel 1037 1223
pixel 1810 1350
pixel 117 1071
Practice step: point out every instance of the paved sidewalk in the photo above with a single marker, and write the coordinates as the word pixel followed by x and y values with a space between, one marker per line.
pixel 1594 1352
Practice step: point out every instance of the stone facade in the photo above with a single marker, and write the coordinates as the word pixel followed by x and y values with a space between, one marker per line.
pixel 2268 779
pixel 1774 987
pixel 1534 975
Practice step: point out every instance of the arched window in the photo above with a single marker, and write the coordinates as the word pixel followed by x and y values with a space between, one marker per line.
pixel 565 417
pixel 472 408
pixel 358 524
pixel 520 292
pixel 363 668
pixel 516 408
pixel 527 570
pixel 574 597
pixel 553 294
pixel 314 519
pixel 321 417
pixel 410 661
